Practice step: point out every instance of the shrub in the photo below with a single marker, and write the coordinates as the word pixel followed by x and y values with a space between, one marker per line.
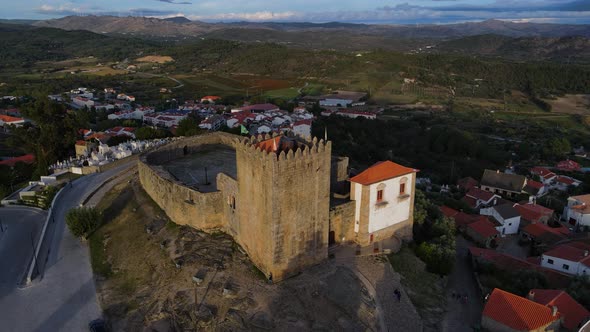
pixel 82 221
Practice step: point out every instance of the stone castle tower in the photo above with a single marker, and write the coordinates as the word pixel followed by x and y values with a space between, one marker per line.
pixel 283 203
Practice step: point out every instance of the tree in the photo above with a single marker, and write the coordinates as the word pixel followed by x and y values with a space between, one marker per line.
pixel 82 221
pixel 188 127
pixel 144 133
pixel 556 147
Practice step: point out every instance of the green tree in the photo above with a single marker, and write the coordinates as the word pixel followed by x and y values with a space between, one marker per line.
pixel 82 221
pixel 188 127
pixel 556 148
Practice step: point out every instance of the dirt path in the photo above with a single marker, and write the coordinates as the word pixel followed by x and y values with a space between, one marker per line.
pixel 461 316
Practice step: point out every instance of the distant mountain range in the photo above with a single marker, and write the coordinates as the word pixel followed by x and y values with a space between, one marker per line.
pixel 492 38
pixel 183 27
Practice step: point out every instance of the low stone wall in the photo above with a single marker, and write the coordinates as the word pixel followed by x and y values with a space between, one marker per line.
pixel 184 206
pixel 342 222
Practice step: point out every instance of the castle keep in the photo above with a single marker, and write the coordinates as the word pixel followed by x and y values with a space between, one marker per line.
pixel 272 194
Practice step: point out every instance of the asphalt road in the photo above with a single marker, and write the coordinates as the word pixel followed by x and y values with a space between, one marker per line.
pixel 63 298
pixel 21 227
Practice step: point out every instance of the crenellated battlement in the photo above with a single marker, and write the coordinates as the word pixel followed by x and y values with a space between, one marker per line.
pixel 283 148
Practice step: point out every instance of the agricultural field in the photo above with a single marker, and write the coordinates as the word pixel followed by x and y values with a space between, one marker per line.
pixel 155 59
pixel 571 104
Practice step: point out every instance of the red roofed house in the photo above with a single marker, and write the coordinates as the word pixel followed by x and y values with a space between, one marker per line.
pixel 573 314
pixel 384 202
pixel 505 311
pixel 533 213
pixel 577 211
pixel 535 188
pixel 7 120
pixel 568 166
pixel 27 159
pixel 543 235
pixel 546 175
pixel 448 212
pixel 210 99
pixel 570 258
pixel 483 232
pixel 302 128
pixel 563 183
pixel 477 198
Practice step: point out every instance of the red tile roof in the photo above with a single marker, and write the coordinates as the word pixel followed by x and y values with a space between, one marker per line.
pixel 573 253
pixel 574 313
pixel 81 143
pixel 568 165
pixel 381 171
pixel 517 312
pixel 477 193
pixel 534 184
pixel 470 201
pixel 467 183
pixel 533 212
pixel 448 212
pixel 542 172
pixel 27 159
pixel 9 119
pixel 483 227
pixel 565 180
pixel 463 219
pixel 537 230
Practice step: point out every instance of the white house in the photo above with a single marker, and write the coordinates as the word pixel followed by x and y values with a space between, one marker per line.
pixel 302 128
pixel 562 182
pixel 214 122
pixel 11 121
pixel 571 258
pixel 507 217
pixel 82 102
pixel 384 202
pixel 577 211
pixel 544 174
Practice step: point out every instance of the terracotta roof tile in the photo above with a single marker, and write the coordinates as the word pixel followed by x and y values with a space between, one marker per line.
pixel 27 159
pixel 533 212
pixel 517 312
pixel 574 313
pixel 480 194
pixel 484 228
pixel 381 171
pixel 448 212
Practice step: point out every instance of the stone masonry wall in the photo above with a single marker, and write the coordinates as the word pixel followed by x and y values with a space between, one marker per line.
pixel 342 222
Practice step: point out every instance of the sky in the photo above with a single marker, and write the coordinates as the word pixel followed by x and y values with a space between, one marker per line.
pixel 353 11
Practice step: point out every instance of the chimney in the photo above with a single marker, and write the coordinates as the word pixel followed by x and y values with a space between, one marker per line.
pixel 553 311
pixel 585 253
pixel 531 295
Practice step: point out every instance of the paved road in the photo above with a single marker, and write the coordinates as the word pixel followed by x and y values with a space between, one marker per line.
pixel 64 297
pixel 462 316
pixel 21 228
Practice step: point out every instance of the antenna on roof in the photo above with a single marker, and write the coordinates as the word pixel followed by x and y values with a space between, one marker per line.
pixel 325 133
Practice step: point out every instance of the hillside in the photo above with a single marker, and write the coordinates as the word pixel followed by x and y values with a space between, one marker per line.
pixel 181 27
pixel 561 49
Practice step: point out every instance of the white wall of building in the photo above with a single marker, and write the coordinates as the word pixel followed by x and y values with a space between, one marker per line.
pixel 393 209
pixel 509 226
pixel 574 268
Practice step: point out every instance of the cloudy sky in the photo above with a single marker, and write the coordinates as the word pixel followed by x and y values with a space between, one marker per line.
pixel 357 11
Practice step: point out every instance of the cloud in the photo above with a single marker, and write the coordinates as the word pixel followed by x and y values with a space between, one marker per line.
pixel 69 10
pixel 176 3
pixel 256 16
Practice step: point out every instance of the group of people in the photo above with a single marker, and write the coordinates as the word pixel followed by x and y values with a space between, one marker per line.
pixel 460 297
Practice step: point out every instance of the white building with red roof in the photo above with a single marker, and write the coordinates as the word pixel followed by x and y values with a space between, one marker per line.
pixel 563 183
pixel 477 198
pixel 302 128
pixel 571 258
pixel 7 120
pixel 577 211
pixel 384 202
pixel 544 174
pixel 568 166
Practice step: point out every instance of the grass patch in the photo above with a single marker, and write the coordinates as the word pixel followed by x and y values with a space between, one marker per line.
pixel 288 93
pixel 424 288
pixel 98 258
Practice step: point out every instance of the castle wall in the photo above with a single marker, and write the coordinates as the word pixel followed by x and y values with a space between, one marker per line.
pixel 342 222
pixel 184 206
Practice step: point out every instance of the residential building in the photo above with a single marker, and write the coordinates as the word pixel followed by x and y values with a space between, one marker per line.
pixel 535 188
pixel 82 102
pixel 257 108
pixel 507 217
pixel 210 99
pixel 213 123
pixel 483 232
pixel 544 174
pixel 505 311
pixel 563 183
pixel 477 198
pixel 573 314
pixel 568 166
pixel 7 120
pixel 577 211
pixel 502 183
pixel 543 236
pixel 532 213
pixel 571 258
pixel 302 128
pixel 341 98
pixel 384 201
